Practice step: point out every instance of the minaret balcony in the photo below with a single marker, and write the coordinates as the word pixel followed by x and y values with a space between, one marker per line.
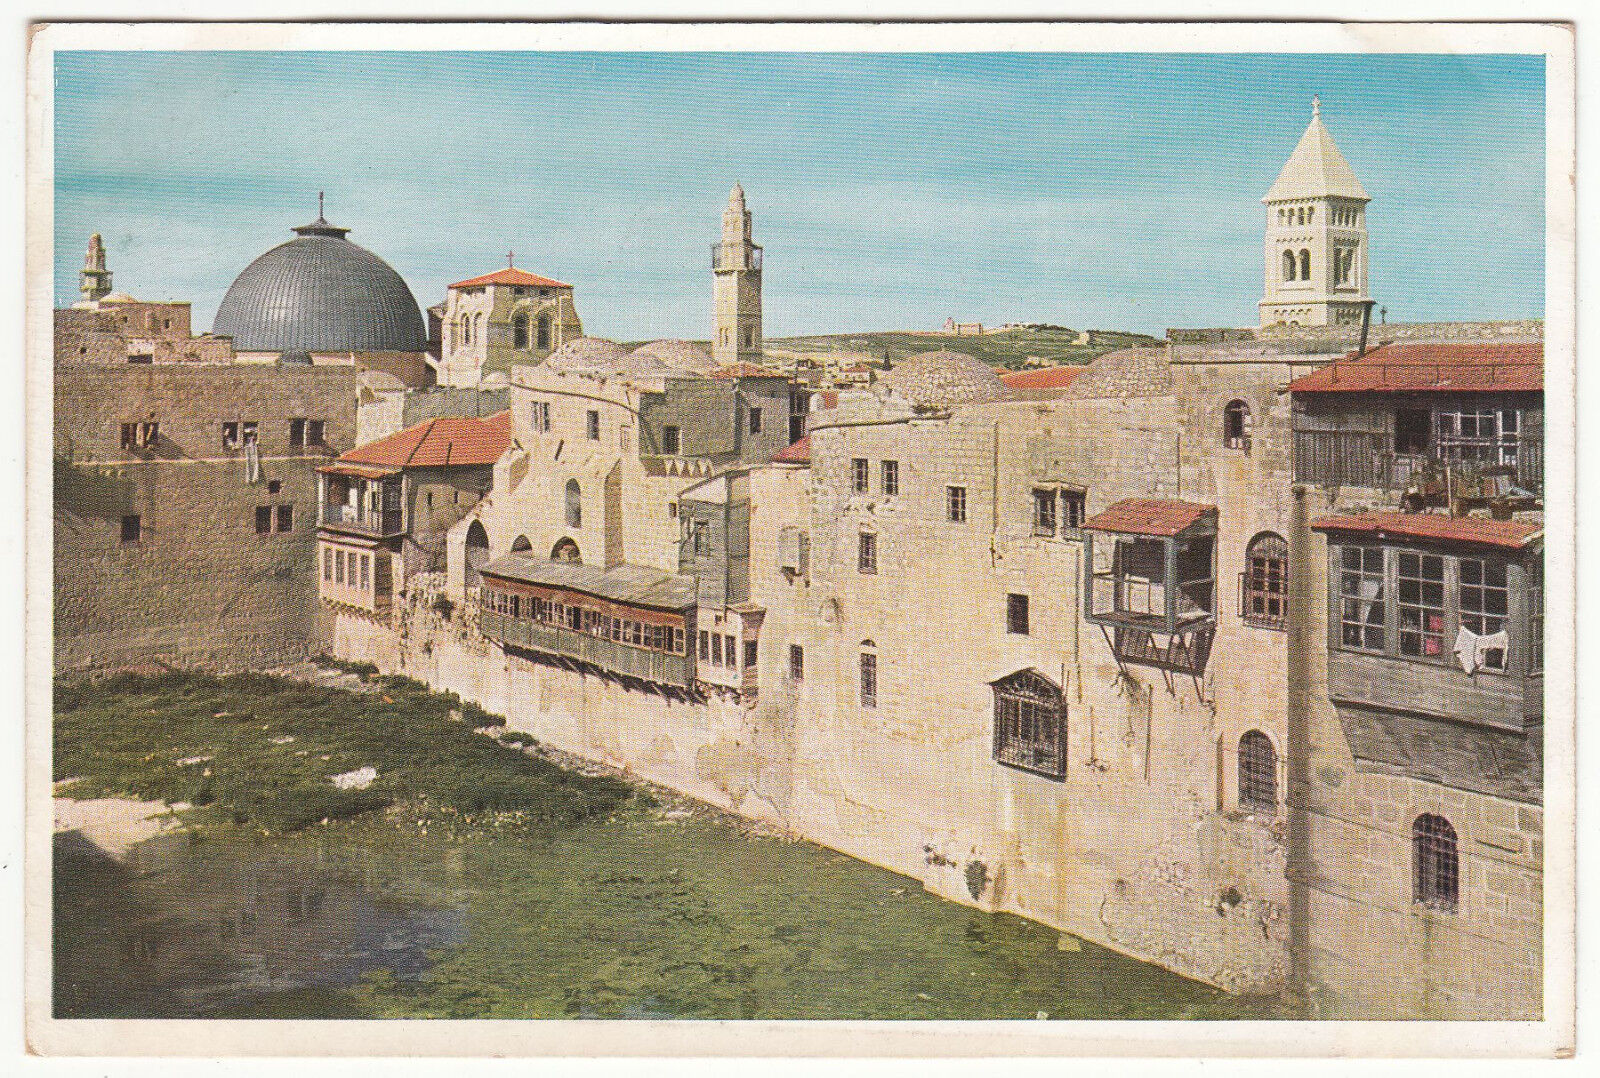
pixel 725 258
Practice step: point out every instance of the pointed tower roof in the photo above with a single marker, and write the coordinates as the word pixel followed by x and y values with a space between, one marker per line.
pixel 1316 168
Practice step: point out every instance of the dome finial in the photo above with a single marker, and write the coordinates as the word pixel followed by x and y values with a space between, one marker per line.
pixel 1316 107
pixel 321 216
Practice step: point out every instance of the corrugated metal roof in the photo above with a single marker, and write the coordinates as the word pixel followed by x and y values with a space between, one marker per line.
pixel 513 276
pixel 320 293
pixel 1436 527
pixel 634 584
pixel 1440 367
pixel 1148 516
pixel 444 440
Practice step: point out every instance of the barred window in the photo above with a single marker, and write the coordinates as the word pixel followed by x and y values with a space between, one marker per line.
pixel 1076 503
pixel 1361 599
pixel 797 663
pixel 1030 716
pixel 1044 511
pixel 860 474
pixel 1258 773
pixel 1265 595
pixel 956 504
pixel 1419 582
pixel 1484 607
pixel 669 441
pixel 1436 863
pixel 891 478
pixel 867 553
pixel 869 676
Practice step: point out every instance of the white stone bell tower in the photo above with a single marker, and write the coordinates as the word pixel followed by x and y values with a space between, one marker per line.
pixel 1316 243
pixel 736 290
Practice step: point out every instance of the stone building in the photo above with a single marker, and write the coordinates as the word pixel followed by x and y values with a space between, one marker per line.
pixel 384 507
pixel 321 299
pixel 491 322
pixel 113 327
pixel 736 293
pixel 1316 241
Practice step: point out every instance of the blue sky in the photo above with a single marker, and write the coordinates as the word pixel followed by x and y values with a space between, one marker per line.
pixel 890 190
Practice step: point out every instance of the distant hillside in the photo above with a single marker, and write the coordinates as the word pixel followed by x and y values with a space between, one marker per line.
pixel 1008 349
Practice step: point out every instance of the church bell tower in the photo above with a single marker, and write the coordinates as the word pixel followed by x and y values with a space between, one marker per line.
pixel 1316 240
pixel 736 290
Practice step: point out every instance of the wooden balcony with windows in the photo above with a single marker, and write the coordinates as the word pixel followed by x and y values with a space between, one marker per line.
pixel 362 500
pixel 1150 582
pixel 626 622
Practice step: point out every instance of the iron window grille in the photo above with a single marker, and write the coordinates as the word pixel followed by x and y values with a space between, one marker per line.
pixel 797 663
pixel 859 475
pixel 1436 863
pixel 1258 773
pixel 1264 585
pixel 1044 512
pixel 891 478
pixel 1030 724
pixel 956 504
pixel 867 553
pixel 869 679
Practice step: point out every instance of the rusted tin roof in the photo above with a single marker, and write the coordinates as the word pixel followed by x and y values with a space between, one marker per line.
pixel 633 584
pixel 1436 527
pixel 1149 516
pixel 1441 367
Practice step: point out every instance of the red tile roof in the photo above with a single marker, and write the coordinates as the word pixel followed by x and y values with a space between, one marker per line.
pixel 1508 534
pixel 447 440
pixel 1464 366
pixel 1148 516
pixel 1044 377
pixel 510 275
pixel 799 453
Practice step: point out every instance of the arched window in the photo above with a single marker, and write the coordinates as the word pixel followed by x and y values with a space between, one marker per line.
pixel 464 332
pixel 1288 266
pixel 869 674
pixel 519 330
pixel 1258 773
pixel 543 334
pixel 1305 264
pixel 477 329
pixel 477 552
pixel 1236 425
pixel 1264 588
pixel 1030 724
pixel 1436 864
pixel 521 545
pixel 566 550
pixel 574 504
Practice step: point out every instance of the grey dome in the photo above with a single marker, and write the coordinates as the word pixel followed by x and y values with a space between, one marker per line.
pixel 943 378
pixel 682 355
pixel 320 293
pixel 588 355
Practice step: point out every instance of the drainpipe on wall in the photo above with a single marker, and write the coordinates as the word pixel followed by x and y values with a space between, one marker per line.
pixel 1297 787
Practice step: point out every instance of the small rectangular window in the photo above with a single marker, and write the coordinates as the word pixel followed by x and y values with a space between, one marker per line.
pixel 285 518
pixel 750 653
pixel 705 646
pixel 327 564
pixel 755 421
pixel 338 567
pixel 956 504
pixel 1075 504
pixel 669 441
pixel 730 651
pixel 315 431
pixel 297 433
pixel 366 571
pixel 867 553
pixel 263 519
pixel 131 529
pixel 716 649
pixel 869 679
pixel 230 435
pixel 891 478
pixel 592 425
pixel 1044 511
pixel 698 538
pixel 859 475
pixel 1017 614
pixel 797 663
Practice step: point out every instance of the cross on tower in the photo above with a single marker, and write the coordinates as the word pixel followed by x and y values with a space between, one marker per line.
pixel 511 259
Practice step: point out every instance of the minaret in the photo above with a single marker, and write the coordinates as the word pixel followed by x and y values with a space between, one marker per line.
pixel 1316 242
pixel 94 280
pixel 736 273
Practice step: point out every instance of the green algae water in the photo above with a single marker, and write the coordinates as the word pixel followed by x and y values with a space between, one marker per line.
pixel 643 911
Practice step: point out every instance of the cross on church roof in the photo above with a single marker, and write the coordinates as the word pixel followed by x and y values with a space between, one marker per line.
pixel 511 259
pixel 1316 106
